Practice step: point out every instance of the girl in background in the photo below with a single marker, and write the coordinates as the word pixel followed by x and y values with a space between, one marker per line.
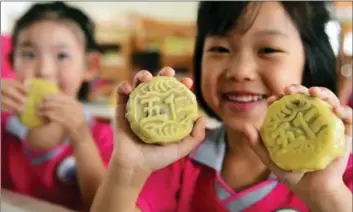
pixel 247 54
pixel 54 162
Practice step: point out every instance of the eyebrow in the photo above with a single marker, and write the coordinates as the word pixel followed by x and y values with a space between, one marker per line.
pixel 26 44
pixel 30 44
pixel 272 32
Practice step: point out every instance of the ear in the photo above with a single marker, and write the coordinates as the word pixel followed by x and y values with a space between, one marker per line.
pixel 93 65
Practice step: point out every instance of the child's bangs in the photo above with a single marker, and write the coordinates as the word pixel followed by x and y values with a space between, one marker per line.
pixel 218 18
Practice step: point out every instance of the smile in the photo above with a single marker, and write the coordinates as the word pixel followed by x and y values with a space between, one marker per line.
pixel 244 98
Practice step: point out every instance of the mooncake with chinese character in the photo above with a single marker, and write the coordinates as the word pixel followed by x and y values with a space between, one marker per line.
pixel 162 110
pixel 302 133
pixel 38 89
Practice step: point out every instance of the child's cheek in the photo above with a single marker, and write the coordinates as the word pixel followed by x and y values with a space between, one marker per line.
pixel 279 81
pixel 70 83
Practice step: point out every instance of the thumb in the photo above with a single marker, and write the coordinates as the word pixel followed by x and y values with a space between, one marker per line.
pixel 254 139
pixel 259 148
pixel 123 90
pixel 196 137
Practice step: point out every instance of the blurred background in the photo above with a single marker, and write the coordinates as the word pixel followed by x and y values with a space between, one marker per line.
pixel 150 35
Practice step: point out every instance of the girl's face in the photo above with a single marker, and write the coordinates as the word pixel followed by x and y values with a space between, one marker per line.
pixel 240 70
pixel 54 51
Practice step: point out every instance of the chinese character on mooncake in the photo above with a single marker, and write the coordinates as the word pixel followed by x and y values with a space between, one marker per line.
pixel 162 110
pixel 38 89
pixel 302 133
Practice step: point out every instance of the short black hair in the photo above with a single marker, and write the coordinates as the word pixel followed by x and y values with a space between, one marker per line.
pixel 310 18
pixel 58 10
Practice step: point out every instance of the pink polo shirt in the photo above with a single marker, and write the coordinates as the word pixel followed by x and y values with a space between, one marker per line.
pixel 6 48
pixel 49 175
pixel 194 184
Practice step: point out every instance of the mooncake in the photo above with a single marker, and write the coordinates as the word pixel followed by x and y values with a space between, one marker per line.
pixel 162 110
pixel 38 89
pixel 302 133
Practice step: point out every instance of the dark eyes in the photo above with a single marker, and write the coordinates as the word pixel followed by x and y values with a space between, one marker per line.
pixel 28 55
pixel 268 51
pixel 62 56
pixel 218 49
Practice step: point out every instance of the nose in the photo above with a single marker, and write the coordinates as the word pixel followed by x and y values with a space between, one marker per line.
pixel 242 67
pixel 45 69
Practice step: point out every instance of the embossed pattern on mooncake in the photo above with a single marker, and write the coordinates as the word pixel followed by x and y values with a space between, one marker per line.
pixel 162 110
pixel 302 133
pixel 38 89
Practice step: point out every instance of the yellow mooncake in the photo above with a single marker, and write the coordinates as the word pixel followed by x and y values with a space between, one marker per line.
pixel 162 110
pixel 38 89
pixel 302 133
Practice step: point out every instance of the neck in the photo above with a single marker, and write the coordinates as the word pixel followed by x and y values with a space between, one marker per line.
pixel 242 167
pixel 238 146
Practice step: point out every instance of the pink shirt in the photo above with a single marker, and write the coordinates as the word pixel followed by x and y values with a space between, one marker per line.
pixel 49 175
pixel 194 184
pixel 6 68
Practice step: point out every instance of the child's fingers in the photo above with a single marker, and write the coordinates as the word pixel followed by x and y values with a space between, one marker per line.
pixel 63 99
pixel 259 148
pixel 345 113
pixel 326 95
pixel 187 82
pixel 53 115
pixel 253 137
pixel 15 94
pixel 272 99
pixel 196 137
pixel 167 71
pixel 135 81
pixel 198 131
pixel 292 89
pixel 123 91
pixel 9 105
pixel 140 77
pixel 19 87
pixel 144 76
pixel 296 89
pixel 49 105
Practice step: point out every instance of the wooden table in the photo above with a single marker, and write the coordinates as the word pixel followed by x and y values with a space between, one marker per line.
pixel 14 202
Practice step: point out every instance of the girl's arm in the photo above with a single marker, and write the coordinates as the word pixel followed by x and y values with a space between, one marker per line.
pixel 131 190
pixel 89 166
pixel 338 202
pixel 119 190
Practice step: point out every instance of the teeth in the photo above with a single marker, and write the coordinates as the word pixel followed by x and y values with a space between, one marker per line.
pixel 245 98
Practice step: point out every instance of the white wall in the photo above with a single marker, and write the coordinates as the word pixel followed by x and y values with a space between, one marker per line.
pixel 102 11
pixel 178 11
pixel 174 11
pixel 10 11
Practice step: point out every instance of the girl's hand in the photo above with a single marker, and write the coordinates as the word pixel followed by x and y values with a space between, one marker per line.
pixel 130 153
pixel 67 112
pixel 327 181
pixel 13 96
